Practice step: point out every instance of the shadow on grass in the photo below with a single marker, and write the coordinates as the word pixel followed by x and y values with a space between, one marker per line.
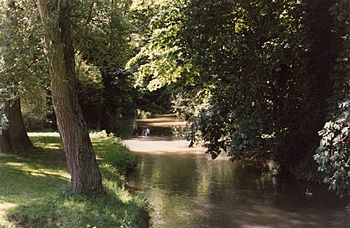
pixel 78 211
pixel 47 149
pixel 22 182
pixel 43 201
pixel 46 139
pixel 37 183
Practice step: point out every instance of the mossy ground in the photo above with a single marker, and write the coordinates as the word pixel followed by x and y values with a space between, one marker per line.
pixel 34 188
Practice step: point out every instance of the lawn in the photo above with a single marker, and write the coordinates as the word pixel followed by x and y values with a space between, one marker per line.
pixel 34 187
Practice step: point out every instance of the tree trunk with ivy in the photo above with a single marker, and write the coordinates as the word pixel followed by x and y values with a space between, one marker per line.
pixel 14 137
pixel 81 159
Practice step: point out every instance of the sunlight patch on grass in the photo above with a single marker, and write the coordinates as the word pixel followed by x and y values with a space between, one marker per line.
pixel 49 145
pixel 34 187
pixel 45 134
pixel 5 206
pixel 35 171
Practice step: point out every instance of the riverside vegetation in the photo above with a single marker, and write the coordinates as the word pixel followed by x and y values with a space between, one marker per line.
pixel 258 80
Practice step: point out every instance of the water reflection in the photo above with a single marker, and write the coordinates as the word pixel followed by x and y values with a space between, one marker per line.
pixel 189 190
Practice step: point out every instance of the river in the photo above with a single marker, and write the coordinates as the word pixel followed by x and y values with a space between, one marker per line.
pixel 186 188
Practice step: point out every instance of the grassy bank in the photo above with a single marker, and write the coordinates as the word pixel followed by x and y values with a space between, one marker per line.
pixel 34 188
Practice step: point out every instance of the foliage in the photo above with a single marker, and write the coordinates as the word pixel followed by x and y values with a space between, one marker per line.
pixel 154 102
pixel 25 175
pixel 21 60
pixel 162 59
pixel 102 37
pixel 195 44
pixel 21 71
pixel 253 77
pixel 333 155
pixel 123 161
pixel 104 43
pixel 258 76
pixel 89 90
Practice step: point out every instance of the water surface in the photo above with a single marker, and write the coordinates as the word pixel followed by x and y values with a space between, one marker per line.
pixel 187 189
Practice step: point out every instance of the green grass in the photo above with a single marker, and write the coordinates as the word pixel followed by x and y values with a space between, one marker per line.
pixel 34 188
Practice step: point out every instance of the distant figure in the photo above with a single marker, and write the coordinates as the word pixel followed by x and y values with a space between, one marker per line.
pixel 192 134
pixel 146 132
pixel 307 192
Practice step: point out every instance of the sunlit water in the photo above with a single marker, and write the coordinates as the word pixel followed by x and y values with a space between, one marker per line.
pixel 187 189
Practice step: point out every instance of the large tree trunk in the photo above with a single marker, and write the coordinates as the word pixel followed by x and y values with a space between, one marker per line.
pixel 15 137
pixel 81 159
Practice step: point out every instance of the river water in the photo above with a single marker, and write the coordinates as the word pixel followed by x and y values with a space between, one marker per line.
pixel 186 188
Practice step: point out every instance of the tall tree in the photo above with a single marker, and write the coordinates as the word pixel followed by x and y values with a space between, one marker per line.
pixel 106 46
pixel 261 70
pixel 81 158
pixel 18 54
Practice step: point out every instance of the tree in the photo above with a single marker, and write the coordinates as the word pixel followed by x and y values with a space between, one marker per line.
pixel 106 46
pixel 333 153
pixel 19 62
pixel 257 70
pixel 14 137
pixel 89 90
pixel 81 159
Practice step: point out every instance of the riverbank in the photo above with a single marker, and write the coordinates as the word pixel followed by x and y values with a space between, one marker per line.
pixel 34 188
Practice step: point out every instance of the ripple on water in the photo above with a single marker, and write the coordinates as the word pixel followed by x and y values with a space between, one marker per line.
pixel 188 189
